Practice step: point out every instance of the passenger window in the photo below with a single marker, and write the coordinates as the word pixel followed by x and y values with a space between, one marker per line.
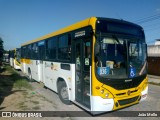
pixel 34 51
pixel 64 47
pixel 51 46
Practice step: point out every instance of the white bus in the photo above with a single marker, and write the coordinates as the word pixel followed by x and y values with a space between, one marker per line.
pixel 98 63
pixel 14 58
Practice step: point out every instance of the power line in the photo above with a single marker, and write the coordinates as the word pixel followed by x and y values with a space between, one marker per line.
pixel 151 25
pixel 154 28
pixel 148 19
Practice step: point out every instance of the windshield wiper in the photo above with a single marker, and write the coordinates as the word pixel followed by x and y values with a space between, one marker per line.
pixel 123 52
pixel 143 68
pixel 115 38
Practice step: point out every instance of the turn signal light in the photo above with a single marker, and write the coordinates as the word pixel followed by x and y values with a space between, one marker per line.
pixel 97 87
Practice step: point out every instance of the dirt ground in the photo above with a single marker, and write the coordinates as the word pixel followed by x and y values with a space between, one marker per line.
pixel 22 99
pixel 36 98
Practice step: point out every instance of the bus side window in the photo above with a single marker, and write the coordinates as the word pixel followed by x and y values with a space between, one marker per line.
pixel 51 46
pixel 87 54
pixel 64 47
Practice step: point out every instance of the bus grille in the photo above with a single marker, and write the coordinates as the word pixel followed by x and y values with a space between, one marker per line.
pixel 128 101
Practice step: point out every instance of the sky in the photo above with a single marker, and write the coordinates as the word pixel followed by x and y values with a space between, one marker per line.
pixel 25 20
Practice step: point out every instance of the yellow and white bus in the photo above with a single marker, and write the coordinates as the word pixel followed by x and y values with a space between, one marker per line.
pixel 14 58
pixel 98 63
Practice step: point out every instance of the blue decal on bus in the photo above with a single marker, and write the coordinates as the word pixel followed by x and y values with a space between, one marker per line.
pixel 132 72
pixel 103 70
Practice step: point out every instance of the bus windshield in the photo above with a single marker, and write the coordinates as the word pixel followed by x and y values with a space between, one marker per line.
pixel 120 57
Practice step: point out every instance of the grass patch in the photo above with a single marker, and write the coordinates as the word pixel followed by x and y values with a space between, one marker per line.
pixel 11 78
pixel 153 83
pixel 22 83
pixel 15 76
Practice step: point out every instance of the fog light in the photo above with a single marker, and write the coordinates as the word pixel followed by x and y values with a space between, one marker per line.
pixel 102 91
pixel 107 95
pixel 97 87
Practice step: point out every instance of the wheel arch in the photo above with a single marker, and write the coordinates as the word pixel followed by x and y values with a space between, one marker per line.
pixel 29 70
pixel 61 79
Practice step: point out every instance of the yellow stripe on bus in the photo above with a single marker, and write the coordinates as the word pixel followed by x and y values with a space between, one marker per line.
pixel 27 61
pixel 83 23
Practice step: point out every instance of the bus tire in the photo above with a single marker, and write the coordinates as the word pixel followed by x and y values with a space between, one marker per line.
pixel 30 75
pixel 63 93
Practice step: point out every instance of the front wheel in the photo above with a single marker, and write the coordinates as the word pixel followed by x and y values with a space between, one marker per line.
pixel 63 93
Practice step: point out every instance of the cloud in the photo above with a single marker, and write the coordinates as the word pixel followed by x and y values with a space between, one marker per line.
pixel 157 10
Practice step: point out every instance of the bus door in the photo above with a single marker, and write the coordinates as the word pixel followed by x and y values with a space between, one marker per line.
pixel 82 71
pixel 41 49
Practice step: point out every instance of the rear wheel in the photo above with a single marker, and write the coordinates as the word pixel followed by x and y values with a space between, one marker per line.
pixel 30 75
pixel 63 93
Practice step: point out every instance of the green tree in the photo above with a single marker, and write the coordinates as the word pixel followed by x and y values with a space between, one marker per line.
pixel 1 50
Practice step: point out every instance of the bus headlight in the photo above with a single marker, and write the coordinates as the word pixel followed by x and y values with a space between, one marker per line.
pixel 102 91
pixel 106 94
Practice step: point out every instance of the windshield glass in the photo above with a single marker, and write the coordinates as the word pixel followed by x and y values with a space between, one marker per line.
pixel 137 58
pixel 120 58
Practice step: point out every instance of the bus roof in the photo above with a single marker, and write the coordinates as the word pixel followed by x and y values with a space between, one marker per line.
pixel 83 23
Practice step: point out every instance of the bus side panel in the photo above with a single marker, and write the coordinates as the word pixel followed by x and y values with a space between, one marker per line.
pixel 23 66
pixel 26 65
pixel 72 83
pixel 40 71
pixel 52 71
pixel 67 75
pixel 34 69
pixel 50 74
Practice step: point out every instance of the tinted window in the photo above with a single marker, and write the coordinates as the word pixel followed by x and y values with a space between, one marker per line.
pixel 64 47
pixel 51 45
pixel 120 27
pixel 34 51
pixel 23 52
pixel 29 51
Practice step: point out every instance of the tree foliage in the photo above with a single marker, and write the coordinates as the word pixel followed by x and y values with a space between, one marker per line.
pixel 1 49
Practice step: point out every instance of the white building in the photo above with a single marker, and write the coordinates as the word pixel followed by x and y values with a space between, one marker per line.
pixel 157 42
pixel 154 50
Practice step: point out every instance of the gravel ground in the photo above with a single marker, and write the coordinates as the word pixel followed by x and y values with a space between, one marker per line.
pixel 43 99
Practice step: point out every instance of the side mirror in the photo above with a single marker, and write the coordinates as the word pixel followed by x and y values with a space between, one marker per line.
pixel 96 48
